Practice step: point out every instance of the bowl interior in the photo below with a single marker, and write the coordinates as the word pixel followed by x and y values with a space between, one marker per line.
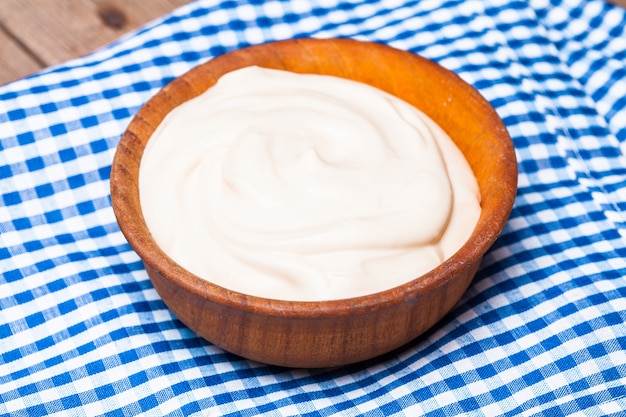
pixel 467 117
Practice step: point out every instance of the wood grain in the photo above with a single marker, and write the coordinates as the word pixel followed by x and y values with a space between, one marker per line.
pixel 16 61
pixel 49 32
pixel 621 3
pixel 35 34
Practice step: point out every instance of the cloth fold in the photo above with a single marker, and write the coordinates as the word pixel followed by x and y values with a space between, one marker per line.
pixel 539 332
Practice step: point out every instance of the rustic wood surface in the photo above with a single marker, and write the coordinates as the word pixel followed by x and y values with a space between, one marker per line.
pixel 35 34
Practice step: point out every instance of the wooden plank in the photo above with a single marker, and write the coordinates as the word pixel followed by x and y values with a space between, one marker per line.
pixel 54 31
pixel 135 13
pixel 14 61
pixel 38 33
pixel 621 3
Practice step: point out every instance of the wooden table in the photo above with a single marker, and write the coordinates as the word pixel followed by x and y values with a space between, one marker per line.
pixel 35 34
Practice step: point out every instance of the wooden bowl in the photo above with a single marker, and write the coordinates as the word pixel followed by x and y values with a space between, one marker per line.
pixel 339 332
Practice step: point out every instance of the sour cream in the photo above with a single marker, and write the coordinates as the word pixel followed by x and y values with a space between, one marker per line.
pixel 305 187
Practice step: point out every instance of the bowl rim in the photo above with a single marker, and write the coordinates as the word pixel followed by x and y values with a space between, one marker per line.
pixel 134 228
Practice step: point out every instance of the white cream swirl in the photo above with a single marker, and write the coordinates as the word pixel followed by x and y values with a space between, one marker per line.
pixel 304 187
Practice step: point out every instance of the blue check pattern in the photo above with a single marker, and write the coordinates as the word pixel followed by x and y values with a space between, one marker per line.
pixel 540 332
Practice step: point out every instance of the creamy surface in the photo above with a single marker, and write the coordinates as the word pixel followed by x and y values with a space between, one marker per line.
pixel 305 187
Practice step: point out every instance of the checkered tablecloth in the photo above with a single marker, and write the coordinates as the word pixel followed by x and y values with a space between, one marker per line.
pixel 540 332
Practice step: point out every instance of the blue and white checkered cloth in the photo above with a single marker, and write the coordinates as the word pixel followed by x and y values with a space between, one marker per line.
pixel 540 332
